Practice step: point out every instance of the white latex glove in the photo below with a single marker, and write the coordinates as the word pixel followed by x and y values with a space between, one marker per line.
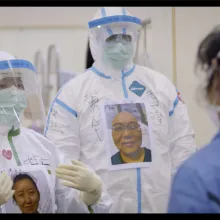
pixel 5 188
pixel 79 177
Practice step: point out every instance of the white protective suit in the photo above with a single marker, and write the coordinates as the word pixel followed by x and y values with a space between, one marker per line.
pixel 26 147
pixel 74 123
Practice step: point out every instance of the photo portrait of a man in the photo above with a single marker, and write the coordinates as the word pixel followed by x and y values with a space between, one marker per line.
pixel 125 123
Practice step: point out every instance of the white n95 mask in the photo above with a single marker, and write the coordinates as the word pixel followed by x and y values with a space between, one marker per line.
pixel 12 104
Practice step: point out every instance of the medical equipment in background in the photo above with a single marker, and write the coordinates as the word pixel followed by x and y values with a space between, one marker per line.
pixel 50 78
pixel 56 77
pixel 53 69
pixel 40 65
pixel 142 55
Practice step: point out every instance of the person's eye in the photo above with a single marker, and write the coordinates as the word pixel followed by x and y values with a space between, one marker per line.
pixel 118 128
pixel 133 126
pixel 20 195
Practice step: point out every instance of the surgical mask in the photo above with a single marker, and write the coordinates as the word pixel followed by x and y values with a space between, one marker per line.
pixel 118 54
pixel 12 104
pixel 214 115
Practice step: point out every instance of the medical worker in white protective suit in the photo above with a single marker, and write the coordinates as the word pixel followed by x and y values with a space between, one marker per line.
pixel 74 123
pixel 18 91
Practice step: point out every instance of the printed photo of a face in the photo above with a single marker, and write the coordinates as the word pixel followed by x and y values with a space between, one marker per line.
pixel 125 124
pixel 33 191
pixel 27 195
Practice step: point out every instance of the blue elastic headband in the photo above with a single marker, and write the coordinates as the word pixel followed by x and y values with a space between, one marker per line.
pixel 8 64
pixel 114 19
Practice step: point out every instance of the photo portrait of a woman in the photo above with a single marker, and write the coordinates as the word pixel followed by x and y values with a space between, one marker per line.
pixel 27 195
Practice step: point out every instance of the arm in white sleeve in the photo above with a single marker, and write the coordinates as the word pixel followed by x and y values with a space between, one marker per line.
pixel 62 128
pixel 181 134
pixel 68 200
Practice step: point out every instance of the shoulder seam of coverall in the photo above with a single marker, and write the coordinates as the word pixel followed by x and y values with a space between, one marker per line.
pixel 66 107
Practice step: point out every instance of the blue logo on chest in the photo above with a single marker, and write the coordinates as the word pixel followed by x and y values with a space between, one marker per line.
pixel 137 88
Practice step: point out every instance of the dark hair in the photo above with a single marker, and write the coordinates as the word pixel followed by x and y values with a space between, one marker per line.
pixel 22 177
pixel 207 51
pixel 89 58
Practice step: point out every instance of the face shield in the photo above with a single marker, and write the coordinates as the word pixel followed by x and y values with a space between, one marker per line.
pixel 20 97
pixel 114 40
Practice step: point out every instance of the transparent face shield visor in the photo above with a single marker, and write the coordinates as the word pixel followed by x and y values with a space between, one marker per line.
pixel 120 32
pixel 20 98
pixel 108 35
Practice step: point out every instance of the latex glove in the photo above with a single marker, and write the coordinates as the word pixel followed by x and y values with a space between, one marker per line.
pixel 5 188
pixel 79 177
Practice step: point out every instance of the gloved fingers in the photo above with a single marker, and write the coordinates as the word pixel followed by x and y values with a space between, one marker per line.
pixel 6 183
pixel 9 195
pixel 68 178
pixel 2 178
pixel 78 163
pixel 70 184
pixel 66 172
pixel 69 167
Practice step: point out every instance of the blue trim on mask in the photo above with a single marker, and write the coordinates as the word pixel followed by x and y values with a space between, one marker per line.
pixel 138 169
pixel 174 106
pixel 13 64
pixel 114 19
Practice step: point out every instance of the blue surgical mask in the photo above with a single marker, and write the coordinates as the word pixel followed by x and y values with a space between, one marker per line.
pixel 12 104
pixel 118 54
